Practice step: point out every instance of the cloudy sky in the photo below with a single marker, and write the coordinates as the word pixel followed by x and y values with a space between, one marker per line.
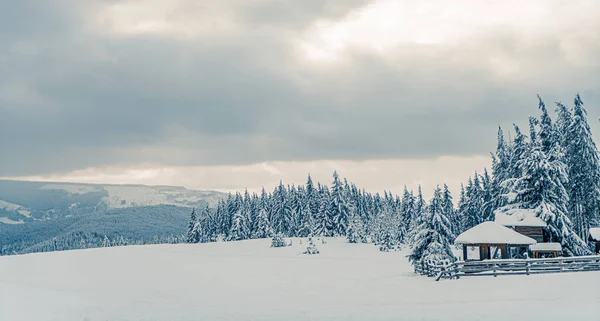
pixel 228 94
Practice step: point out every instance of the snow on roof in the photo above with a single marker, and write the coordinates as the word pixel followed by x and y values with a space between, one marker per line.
pixel 493 233
pixel 595 233
pixel 518 217
pixel 546 247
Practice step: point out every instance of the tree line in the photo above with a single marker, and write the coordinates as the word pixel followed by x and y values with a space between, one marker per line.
pixel 554 171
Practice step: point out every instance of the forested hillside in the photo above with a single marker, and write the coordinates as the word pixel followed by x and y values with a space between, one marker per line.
pixel 137 225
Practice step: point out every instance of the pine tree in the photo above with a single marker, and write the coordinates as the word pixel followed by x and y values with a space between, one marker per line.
pixel 408 208
pixel 352 232
pixel 280 209
pixel 462 210
pixel 540 188
pixel 263 226
pixel 305 219
pixel 488 206
pixel 278 241
pixel 448 208
pixel 583 164
pixel 434 235
pixel 500 173
pixel 319 227
pixel 192 235
pixel 105 242
pixel 291 205
pixel 419 209
pixel 339 212
pixel 239 227
pixel 472 215
pixel 547 133
pixel 562 125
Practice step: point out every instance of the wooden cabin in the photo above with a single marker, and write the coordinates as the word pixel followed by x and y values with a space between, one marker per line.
pixel 524 221
pixel 543 250
pixel 489 235
pixel 595 238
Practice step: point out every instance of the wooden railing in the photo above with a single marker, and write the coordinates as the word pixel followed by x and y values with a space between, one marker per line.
pixel 527 266
pixel 448 270
pixel 444 269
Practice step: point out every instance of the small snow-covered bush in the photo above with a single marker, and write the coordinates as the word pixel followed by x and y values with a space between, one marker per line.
pixel 387 243
pixel 278 241
pixel 312 248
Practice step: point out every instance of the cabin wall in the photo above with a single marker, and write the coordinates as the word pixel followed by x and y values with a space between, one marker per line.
pixel 536 233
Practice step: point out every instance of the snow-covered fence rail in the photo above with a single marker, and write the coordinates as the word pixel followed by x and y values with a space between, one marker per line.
pixel 527 266
pixel 438 269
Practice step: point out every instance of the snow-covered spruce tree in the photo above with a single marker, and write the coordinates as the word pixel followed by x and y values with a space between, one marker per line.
pixel 388 235
pixel 562 125
pixel 339 209
pixel 279 210
pixel 239 228
pixel 434 235
pixel 462 209
pixel 420 208
pixel 472 215
pixel 290 215
pixel 387 241
pixel 583 163
pixel 353 234
pixel 322 218
pixel 541 187
pixel 304 219
pixel 549 138
pixel 263 226
pixel 192 233
pixel 488 187
pixel 312 196
pixel 448 208
pixel 408 207
pixel 311 248
pixel 500 173
pixel 278 241
pixel 106 242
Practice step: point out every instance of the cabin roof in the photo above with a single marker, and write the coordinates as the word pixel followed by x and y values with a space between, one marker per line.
pixel 595 234
pixel 493 233
pixel 546 247
pixel 518 217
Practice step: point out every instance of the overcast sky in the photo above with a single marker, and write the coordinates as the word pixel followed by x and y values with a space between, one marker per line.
pixel 228 94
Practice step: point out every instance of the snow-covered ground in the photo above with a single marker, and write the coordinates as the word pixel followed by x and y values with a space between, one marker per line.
pixel 14 208
pixel 248 280
pixel 7 220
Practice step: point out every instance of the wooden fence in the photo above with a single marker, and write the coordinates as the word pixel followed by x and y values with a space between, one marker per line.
pixel 508 267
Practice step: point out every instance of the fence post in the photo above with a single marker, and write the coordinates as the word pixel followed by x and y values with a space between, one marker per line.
pixel 561 263
pixel 495 268
pixel 527 267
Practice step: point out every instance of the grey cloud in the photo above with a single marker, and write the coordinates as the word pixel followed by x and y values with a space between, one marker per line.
pixel 243 98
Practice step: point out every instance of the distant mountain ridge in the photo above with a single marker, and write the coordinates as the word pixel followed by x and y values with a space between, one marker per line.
pixel 25 201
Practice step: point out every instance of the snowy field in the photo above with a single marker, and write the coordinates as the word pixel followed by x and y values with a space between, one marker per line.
pixel 248 280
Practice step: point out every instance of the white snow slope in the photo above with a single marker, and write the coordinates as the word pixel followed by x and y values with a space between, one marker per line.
pixel 248 280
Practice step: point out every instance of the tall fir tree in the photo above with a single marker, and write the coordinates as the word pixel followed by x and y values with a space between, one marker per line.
pixel 541 188
pixel 192 233
pixel 340 211
pixel 500 173
pixel 488 205
pixel 583 164
pixel 461 211
pixel 434 234
pixel 448 208
pixel 408 207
